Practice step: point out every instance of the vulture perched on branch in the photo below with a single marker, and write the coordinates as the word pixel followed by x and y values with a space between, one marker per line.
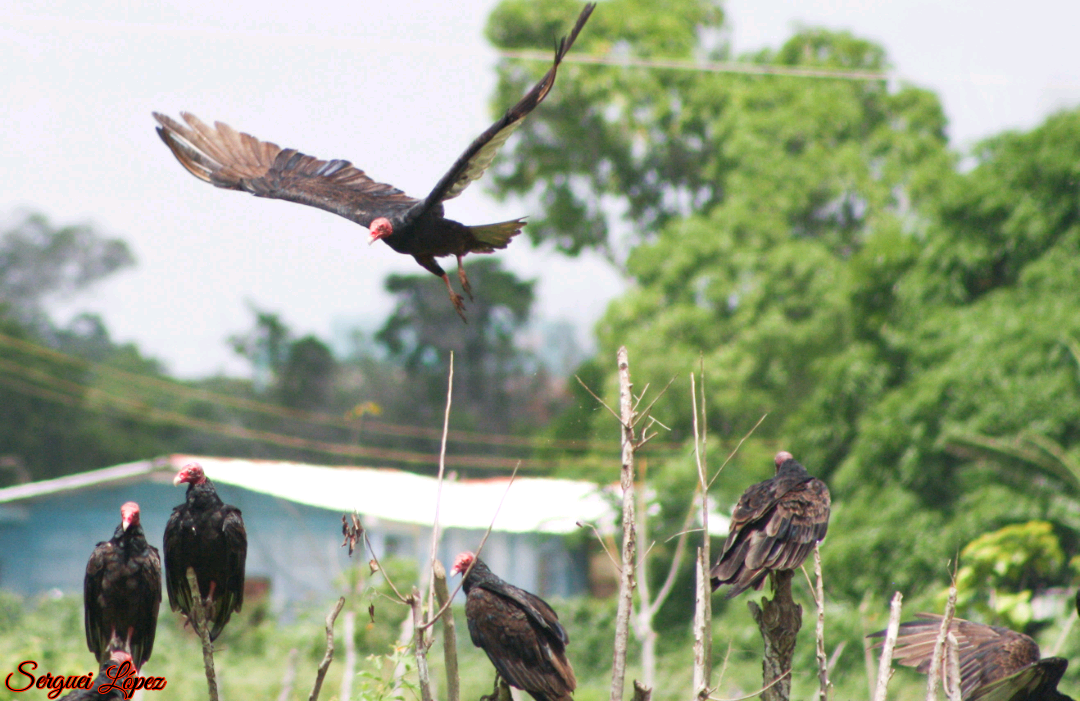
pixel 237 161
pixel 996 664
pixel 122 592
pixel 209 536
pixel 519 632
pixel 774 527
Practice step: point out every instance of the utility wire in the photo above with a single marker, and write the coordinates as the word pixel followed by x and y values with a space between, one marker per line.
pixel 318 418
pixel 705 66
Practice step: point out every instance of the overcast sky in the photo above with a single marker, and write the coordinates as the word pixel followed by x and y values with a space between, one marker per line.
pixel 399 89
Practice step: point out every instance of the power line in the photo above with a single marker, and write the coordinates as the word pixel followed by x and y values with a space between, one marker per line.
pixel 99 400
pixel 705 66
pixel 317 418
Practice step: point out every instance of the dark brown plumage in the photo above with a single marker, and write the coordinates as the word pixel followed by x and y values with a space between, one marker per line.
pixel 208 535
pixel 520 633
pixel 996 664
pixel 416 227
pixel 122 591
pixel 773 527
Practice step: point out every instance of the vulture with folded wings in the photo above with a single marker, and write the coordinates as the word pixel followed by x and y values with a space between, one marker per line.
pixel 520 633
pixel 774 527
pixel 996 664
pixel 236 161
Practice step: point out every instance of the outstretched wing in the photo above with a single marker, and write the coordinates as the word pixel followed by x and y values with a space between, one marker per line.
pixel 471 165
pixel 988 655
pixel 234 160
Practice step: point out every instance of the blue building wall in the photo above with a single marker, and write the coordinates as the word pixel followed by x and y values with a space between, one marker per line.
pixel 45 542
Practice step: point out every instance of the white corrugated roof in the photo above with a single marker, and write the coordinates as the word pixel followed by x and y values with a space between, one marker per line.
pixel 531 504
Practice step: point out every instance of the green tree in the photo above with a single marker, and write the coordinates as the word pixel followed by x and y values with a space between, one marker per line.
pixel 489 369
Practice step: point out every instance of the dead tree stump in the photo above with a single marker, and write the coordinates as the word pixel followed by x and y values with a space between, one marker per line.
pixel 779 623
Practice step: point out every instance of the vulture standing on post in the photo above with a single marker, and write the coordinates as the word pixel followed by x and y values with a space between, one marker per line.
pixel 519 632
pixel 996 664
pixel 122 591
pixel 774 527
pixel 417 227
pixel 209 536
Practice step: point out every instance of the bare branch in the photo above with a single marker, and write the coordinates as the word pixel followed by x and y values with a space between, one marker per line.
pixel 376 566
pixel 938 658
pixel 442 595
pixel 583 524
pixel 656 399
pixel 759 692
pixel 952 679
pixel 329 656
pixel 676 558
pixel 199 618
pixel 629 522
pixel 602 402
pixel 885 667
pixel 703 598
pixel 641 692
pixel 819 631
pixel 420 647
pixel 288 680
pixel 729 457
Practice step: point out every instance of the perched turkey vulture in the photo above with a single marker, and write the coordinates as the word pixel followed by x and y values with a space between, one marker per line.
pixel 774 527
pixel 208 535
pixel 996 664
pixel 122 591
pixel 115 658
pixel 416 227
pixel 519 632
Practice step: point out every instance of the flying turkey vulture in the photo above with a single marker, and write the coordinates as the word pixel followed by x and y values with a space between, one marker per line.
pixel 774 527
pixel 122 591
pixel 519 632
pixel 114 659
pixel 417 227
pixel 208 535
pixel 996 664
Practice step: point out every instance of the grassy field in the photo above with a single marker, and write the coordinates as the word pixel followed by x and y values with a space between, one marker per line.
pixel 254 649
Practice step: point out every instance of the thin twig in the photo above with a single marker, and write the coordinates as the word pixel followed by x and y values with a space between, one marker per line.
pixel 329 656
pixel 602 403
pixel 378 566
pixel 676 559
pixel 200 618
pixel 730 456
pixel 760 691
pixel 938 657
pixel 885 666
pixel 656 399
pixel 442 595
pixel 585 524
pixel 442 469
pixel 479 548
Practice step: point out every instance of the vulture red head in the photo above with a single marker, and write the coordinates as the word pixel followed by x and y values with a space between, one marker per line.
pixel 192 473
pixel 129 515
pixel 462 563
pixel 782 457
pixel 380 229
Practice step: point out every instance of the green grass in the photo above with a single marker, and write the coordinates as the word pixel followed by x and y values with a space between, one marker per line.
pixel 253 650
